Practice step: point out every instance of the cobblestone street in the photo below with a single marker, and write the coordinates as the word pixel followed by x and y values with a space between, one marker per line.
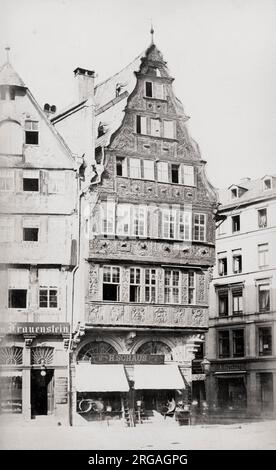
pixel 253 436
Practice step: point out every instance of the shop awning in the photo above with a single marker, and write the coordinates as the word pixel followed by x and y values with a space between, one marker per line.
pixel 157 377
pixel 101 378
pixel 10 373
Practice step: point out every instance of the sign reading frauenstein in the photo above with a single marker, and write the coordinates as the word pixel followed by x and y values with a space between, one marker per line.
pixel 38 328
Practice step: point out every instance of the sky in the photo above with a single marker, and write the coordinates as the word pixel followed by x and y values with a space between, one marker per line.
pixel 222 54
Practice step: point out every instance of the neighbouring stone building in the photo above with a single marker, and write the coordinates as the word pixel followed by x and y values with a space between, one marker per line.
pixel 242 327
pixel 38 251
pixel 148 238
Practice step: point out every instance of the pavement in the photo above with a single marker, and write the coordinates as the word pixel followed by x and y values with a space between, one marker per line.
pixel 241 436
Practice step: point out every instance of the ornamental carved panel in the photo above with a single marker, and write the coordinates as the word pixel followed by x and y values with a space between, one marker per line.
pixel 147 315
pixel 93 280
pixel 201 290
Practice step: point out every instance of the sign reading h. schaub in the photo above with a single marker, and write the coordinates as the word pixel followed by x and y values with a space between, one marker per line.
pixel 41 328
pixel 126 358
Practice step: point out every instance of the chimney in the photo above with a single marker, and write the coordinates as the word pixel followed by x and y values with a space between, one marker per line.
pixel 85 83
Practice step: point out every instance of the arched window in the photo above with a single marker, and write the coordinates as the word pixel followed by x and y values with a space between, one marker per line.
pixel 96 347
pixel 11 138
pixel 11 355
pixel 156 347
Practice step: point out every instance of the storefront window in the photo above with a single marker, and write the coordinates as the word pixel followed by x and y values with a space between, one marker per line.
pixel 11 394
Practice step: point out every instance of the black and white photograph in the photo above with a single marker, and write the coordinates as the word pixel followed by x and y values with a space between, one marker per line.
pixel 137 227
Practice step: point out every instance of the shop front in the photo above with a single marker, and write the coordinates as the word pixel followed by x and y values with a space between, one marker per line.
pixel 34 372
pixel 127 388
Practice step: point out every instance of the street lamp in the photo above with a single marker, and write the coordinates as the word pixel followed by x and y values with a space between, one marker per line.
pixel 206 365
pixel 42 368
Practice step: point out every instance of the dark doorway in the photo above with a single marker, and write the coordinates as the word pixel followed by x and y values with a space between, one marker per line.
pixel 42 392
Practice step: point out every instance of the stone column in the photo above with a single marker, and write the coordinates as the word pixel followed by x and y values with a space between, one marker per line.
pixel 26 381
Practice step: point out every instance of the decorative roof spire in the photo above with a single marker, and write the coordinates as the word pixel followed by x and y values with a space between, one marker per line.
pixel 152 33
pixel 7 49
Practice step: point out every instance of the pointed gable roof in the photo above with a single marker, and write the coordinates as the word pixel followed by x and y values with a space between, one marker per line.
pixel 8 76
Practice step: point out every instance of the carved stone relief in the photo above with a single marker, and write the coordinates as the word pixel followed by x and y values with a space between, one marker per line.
pixel 160 315
pixel 93 280
pixel 201 288
pixel 138 314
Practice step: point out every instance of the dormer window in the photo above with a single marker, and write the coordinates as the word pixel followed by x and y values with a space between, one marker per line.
pixel 31 132
pixel 267 184
pixel 154 90
pixel 149 89
pixel 234 193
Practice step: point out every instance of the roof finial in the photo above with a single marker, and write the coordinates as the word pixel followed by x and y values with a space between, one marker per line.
pixel 152 33
pixel 7 49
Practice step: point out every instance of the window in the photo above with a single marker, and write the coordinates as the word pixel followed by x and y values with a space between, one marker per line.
pixel 263 255
pixel 236 223
pixel 150 285
pixel 6 230
pixel 111 283
pixel 264 297
pixel 185 225
pixel 31 132
pixel 222 265
pixel 238 342
pixel 172 287
pixel 162 172
pixel 139 221
pixel 168 129
pixel 169 223
pixel 154 90
pixel 48 298
pixel 237 261
pixel 191 287
pixel 135 168
pixel 6 180
pixel 265 341
pixel 175 173
pixel 141 125
pixel 237 301
pixel 123 219
pixel 223 303
pixel 108 218
pixel 149 89
pixel 267 184
pixel 148 170
pixel 199 227
pixel 188 175
pixel 30 184
pixel 30 234
pixel 234 193
pixel 224 343
pixel 262 218
pixel 17 298
pixel 155 127
pixel 135 285
pixel 56 183
pixel 121 166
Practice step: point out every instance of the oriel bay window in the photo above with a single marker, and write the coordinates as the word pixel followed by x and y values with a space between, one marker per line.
pixel 111 283
pixel 135 285
pixel 191 287
pixel 172 286
pixel 121 166
pixel 139 219
pixel 150 285
pixel 108 218
pixel 135 168
pixel 199 227
pixel 265 340
pixel 176 224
